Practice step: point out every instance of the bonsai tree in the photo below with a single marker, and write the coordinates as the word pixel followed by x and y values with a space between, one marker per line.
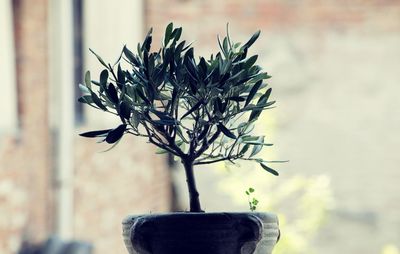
pixel 200 110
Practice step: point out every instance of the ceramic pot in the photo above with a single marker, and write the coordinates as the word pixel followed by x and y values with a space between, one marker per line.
pixel 201 233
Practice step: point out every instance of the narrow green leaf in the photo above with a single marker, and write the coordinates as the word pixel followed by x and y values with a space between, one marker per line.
pixel 252 40
pixel 147 41
pixel 220 46
pixel 98 102
pixel 112 94
pixel 253 92
pixel 195 107
pixel 258 143
pixel 162 115
pixel 250 138
pixel 204 132
pixel 176 34
pixel 135 119
pixel 112 147
pixel 121 77
pixel 250 62
pixel 94 134
pixel 125 110
pixel 226 131
pixel 88 82
pixel 130 56
pixel 244 149
pixel 86 99
pixel 236 98
pixel 161 151
pixel 257 148
pixel 142 96
pixel 115 134
pixel 260 76
pixel 168 32
pixel 263 99
pixel 164 122
pixel 84 89
pixel 99 58
pixel 270 170
pixel 104 79
pixel 225 45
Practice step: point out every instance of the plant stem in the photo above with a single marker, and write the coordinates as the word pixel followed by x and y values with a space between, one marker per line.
pixel 191 183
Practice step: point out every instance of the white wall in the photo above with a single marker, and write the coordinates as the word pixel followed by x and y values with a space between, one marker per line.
pixel 108 26
pixel 8 101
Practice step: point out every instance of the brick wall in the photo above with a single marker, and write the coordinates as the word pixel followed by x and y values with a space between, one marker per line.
pixel 130 179
pixel 207 17
pixel 24 159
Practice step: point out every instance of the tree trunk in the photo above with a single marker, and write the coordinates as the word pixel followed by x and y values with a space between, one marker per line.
pixel 191 183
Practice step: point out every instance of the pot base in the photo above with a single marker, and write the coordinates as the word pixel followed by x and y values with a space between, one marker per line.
pixel 200 233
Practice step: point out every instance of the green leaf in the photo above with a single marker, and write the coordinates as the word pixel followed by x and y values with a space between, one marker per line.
pixel 103 79
pixel 125 110
pixel 135 120
pixel 251 190
pixel 258 143
pixel 253 92
pixel 164 122
pixel 260 76
pixel 244 149
pixel 250 62
pixel 84 89
pixel 250 138
pixel 116 134
pixel 163 115
pixel 112 94
pixel 194 108
pixel 121 77
pixel 263 100
pixel 97 101
pixel 226 131
pixel 168 32
pixel 176 34
pixel 99 58
pixel 147 41
pixel 161 151
pixel 88 80
pixel 142 96
pixel 130 56
pixel 252 40
pixel 204 132
pixel 94 134
pixel 270 170
pixel 221 47
pixel 225 45
pixel 112 147
pixel 86 99
pixel 236 98
pixel 257 148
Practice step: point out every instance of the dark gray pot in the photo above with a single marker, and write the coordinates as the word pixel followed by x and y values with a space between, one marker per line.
pixel 201 233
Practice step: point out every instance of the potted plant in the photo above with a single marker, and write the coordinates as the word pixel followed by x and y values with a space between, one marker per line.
pixel 200 111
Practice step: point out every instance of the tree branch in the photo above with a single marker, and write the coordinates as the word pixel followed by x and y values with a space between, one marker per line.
pixel 206 145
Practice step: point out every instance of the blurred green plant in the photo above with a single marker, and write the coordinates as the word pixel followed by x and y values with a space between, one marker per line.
pixel 302 204
pixel 253 202
pixel 390 249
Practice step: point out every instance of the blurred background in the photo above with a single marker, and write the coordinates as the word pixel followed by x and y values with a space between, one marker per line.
pixel 336 77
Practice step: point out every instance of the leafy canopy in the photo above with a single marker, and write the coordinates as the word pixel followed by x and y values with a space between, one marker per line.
pixel 201 110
